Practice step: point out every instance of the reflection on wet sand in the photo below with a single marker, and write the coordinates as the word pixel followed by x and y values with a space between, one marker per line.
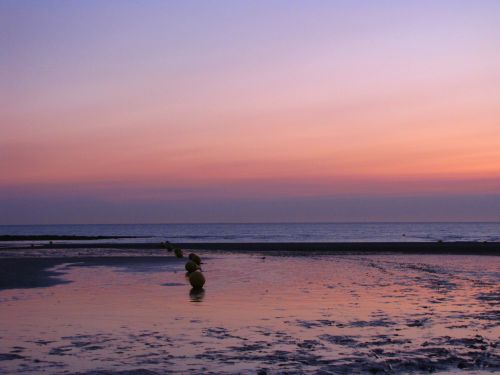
pixel 296 314
pixel 196 295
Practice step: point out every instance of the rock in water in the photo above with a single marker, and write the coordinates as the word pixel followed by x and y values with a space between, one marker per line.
pixel 195 258
pixel 197 280
pixel 178 253
pixel 191 266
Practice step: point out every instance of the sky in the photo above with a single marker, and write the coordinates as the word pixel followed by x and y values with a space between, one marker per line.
pixel 249 111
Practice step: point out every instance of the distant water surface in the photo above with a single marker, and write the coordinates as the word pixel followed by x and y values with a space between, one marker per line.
pixel 275 232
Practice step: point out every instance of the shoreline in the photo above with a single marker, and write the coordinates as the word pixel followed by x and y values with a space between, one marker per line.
pixel 50 237
pixel 29 267
pixel 457 248
pixel 468 248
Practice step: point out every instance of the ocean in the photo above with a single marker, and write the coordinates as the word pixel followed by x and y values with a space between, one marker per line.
pixel 273 232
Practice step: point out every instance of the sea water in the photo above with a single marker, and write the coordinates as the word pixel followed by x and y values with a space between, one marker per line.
pixel 274 232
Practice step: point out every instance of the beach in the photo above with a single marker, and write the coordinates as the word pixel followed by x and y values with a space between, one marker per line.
pixel 250 187
pixel 76 309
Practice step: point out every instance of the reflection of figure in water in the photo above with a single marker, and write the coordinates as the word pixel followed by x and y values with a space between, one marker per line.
pixel 196 295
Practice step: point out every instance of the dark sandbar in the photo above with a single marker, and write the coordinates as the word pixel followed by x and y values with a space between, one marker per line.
pixel 472 248
pixel 44 237
pixel 466 248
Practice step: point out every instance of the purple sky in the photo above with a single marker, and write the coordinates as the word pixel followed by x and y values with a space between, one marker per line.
pixel 248 111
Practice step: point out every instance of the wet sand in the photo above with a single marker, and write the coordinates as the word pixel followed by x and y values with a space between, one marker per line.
pixel 321 313
pixel 34 272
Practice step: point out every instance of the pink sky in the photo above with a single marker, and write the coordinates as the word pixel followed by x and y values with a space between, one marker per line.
pixel 322 99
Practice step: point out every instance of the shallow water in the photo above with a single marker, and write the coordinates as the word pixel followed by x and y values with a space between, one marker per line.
pixel 320 314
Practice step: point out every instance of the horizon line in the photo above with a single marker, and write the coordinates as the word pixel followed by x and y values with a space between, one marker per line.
pixel 268 223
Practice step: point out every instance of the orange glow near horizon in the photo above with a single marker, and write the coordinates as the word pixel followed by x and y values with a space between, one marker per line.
pixel 393 99
pixel 394 141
